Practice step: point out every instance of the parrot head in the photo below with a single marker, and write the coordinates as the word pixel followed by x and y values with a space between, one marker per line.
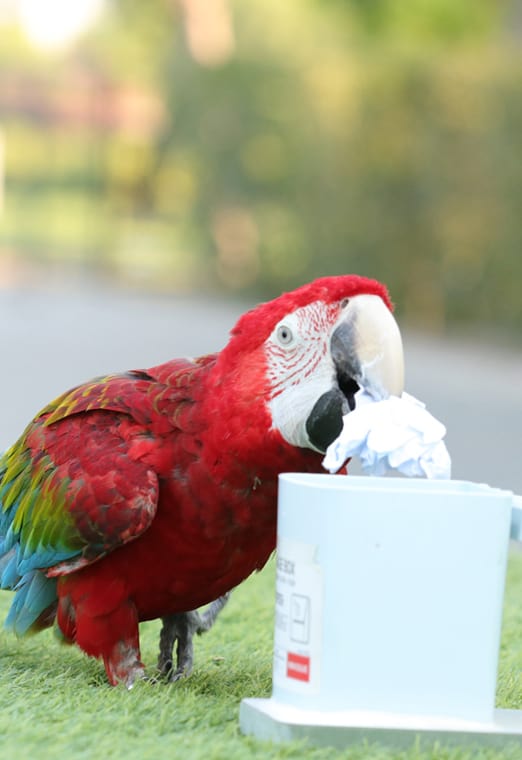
pixel 299 359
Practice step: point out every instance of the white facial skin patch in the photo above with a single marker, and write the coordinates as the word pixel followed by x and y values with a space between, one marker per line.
pixel 300 367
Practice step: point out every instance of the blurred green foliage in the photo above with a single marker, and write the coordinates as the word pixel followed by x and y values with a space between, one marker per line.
pixel 323 136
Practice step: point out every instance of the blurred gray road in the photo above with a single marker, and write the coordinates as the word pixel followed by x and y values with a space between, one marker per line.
pixel 54 338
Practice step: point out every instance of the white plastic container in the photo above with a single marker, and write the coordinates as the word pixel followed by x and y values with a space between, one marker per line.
pixel 389 595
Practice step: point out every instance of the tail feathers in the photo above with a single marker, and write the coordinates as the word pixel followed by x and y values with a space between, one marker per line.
pixel 34 604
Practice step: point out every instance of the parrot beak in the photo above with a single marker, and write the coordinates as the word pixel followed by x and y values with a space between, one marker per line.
pixel 366 349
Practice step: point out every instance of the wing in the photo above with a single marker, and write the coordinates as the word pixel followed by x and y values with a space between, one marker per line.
pixel 70 489
pixel 82 480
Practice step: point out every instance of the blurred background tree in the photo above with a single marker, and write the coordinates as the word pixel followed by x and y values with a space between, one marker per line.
pixel 247 147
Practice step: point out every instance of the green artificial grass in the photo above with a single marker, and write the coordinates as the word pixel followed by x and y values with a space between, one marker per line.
pixel 56 703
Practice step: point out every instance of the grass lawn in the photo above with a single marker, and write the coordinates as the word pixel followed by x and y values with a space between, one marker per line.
pixel 55 702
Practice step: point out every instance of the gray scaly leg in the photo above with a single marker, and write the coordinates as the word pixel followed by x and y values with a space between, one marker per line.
pixel 180 629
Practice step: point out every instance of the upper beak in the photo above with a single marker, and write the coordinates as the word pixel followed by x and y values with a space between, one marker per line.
pixel 366 349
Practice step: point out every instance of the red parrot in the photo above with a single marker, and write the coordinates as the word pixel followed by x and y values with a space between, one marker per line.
pixel 152 492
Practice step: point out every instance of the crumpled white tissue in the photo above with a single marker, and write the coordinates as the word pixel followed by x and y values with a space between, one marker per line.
pixel 395 434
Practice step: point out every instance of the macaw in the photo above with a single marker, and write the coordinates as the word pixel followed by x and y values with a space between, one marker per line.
pixel 150 493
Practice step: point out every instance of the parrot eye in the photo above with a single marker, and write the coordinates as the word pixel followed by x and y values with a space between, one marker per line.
pixel 284 335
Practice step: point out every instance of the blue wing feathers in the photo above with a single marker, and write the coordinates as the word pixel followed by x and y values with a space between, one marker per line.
pixel 9 575
pixel 35 593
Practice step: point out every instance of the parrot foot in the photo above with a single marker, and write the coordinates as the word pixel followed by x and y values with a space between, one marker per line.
pixel 180 629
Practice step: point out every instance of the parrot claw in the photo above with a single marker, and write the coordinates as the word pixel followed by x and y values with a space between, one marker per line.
pixel 136 673
pixel 153 680
pixel 178 674
pixel 181 627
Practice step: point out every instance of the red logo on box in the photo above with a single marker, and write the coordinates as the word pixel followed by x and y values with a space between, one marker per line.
pixel 298 667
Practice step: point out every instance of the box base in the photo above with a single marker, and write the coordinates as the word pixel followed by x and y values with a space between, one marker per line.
pixel 274 721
